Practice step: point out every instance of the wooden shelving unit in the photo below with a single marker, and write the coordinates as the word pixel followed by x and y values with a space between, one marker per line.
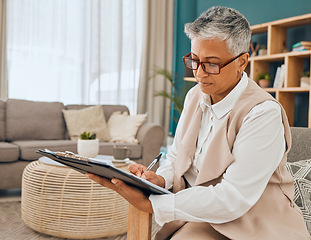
pixel 293 61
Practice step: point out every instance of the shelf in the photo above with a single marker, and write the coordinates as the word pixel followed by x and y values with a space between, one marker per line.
pixel 290 89
pixel 293 21
pixel 287 22
pixel 294 62
pixel 259 28
pixel 281 56
pixel 190 79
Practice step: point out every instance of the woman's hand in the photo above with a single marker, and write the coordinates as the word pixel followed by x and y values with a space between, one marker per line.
pixel 133 195
pixel 140 171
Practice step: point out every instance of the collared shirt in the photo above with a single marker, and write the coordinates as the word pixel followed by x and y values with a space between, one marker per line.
pixel 258 150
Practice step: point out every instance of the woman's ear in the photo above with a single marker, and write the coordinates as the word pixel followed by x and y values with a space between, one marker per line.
pixel 243 62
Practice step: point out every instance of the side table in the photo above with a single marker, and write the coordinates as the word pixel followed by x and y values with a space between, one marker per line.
pixel 59 201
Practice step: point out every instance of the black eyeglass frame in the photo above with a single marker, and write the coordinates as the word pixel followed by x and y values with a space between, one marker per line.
pixel 220 65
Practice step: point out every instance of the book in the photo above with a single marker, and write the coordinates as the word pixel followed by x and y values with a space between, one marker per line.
pixel 302 43
pixel 279 77
pixel 103 169
pixel 301 48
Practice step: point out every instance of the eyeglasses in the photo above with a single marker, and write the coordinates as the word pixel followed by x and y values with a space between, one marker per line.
pixel 208 67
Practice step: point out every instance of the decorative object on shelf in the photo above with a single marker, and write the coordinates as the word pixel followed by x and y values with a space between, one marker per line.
pixel 88 145
pixel 305 79
pixel 279 77
pixel 262 51
pixel 264 80
pixel 254 48
pixel 284 50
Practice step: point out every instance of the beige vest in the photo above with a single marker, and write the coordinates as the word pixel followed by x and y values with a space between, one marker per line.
pixel 275 215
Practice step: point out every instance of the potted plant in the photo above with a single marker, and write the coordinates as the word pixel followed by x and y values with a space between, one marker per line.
pixel 305 79
pixel 264 79
pixel 88 145
pixel 176 97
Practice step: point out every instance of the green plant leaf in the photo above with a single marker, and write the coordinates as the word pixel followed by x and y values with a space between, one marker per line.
pixel 306 74
pixel 87 136
pixel 162 72
pixel 264 76
pixel 93 136
pixel 176 97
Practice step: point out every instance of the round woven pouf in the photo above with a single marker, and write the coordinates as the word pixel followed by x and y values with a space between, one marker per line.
pixel 62 202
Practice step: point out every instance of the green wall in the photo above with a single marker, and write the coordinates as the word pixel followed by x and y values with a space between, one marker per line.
pixel 260 11
pixel 256 12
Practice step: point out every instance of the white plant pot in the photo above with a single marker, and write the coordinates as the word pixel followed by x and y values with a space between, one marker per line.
pixel 304 82
pixel 88 148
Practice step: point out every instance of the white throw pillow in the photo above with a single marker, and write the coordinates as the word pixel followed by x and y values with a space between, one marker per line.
pixel 89 119
pixel 124 127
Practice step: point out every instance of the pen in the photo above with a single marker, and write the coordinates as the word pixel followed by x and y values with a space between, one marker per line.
pixel 154 162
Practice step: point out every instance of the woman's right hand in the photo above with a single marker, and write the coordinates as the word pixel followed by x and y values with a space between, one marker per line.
pixel 140 171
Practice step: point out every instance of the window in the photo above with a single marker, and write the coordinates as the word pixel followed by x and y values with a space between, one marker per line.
pixel 75 51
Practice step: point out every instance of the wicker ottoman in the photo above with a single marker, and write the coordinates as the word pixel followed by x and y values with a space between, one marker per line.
pixel 59 201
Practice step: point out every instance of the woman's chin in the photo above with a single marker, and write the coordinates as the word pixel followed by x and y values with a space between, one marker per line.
pixel 206 87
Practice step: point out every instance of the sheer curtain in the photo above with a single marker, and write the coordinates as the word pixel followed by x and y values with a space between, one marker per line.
pixel 75 51
pixel 3 60
pixel 157 52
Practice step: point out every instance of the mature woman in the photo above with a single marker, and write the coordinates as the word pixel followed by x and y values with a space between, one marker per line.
pixel 226 165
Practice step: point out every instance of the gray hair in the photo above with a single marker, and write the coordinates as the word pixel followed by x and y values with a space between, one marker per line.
pixel 225 24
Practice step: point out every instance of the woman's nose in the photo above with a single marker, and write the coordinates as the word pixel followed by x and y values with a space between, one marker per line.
pixel 200 72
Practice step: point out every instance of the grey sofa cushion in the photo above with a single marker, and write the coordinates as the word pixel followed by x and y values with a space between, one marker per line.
pixel 29 120
pixel 2 120
pixel 8 152
pixel 301 144
pixel 28 148
pixel 108 109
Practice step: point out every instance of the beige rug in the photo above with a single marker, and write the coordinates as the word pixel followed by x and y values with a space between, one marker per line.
pixel 12 226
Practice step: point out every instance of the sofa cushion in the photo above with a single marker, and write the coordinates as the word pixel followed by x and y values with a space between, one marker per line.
pixel 301 139
pixel 31 120
pixel 124 127
pixel 89 119
pixel 2 120
pixel 108 109
pixel 301 171
pixel 28 148
pixel 106 148
pixel 9 152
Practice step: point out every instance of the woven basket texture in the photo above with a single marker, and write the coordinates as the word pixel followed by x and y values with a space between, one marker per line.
pixel 62 202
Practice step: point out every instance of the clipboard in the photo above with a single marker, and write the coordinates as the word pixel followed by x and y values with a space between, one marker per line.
pixel 103 169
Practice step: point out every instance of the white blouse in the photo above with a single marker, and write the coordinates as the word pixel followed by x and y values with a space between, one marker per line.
pixel 258 150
